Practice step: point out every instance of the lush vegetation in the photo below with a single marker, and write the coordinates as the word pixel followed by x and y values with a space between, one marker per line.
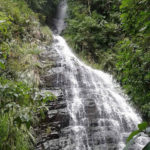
pixel 20 99
pixel 133 56
pixel 94 29
pixel 45 8
pixel 115 36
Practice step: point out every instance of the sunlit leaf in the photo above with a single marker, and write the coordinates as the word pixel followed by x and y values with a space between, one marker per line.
pixel 134 133
pixel 142 126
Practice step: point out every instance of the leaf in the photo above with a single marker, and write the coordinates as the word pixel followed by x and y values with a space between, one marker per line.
pixel 32 137
pixel 28 124
pixel 142 29
pixel 2 66
pixel 143 126
pixel 18 121
pixel 132 135
pixel 132 141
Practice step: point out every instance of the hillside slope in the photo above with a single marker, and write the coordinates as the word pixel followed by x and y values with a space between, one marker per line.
pixel 22 35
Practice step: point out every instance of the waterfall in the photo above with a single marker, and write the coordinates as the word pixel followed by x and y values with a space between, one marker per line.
pixel 100 117
pixel 60 17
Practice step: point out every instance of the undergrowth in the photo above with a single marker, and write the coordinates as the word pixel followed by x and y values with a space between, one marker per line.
pixel 20 99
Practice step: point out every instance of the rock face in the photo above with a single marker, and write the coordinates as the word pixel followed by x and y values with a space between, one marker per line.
pixel 90 113
pixel 53 130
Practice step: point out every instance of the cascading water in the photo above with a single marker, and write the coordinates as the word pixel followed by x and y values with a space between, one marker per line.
pixel 61 15
pixel 100 117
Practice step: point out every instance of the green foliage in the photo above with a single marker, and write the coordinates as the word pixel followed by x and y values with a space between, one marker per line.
pixel 19 35
pixel 133 63
pixel 92 34
pixel 45 8
pixel 5 25
pixel 17 18
pixel 20 103
pixel 19 106
pixel 133 71
pixel 15 23
pixel 141 128
pixel 135 16
pixel 11 137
